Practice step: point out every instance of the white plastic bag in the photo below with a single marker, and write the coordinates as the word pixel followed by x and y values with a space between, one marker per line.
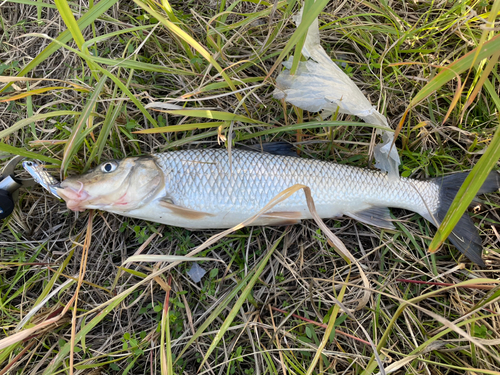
pixel 320 85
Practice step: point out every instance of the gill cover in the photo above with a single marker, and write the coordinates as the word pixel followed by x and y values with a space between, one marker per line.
pixel 116 185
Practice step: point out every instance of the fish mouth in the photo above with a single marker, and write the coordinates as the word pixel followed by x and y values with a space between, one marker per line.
pixel 75 196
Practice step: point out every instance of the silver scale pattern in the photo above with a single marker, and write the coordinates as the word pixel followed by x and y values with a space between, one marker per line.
pixel 203 179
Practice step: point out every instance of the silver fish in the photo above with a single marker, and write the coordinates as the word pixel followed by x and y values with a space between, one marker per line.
pixel 41 176
pixel 200 189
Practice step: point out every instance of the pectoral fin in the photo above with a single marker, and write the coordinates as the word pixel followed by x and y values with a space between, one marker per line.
pixel 279 218
pixel 183 212
pixel 378 216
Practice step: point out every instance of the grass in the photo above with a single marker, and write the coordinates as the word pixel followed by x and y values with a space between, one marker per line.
pixel 275 300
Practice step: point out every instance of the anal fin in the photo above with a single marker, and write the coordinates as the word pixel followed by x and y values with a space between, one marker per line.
pixel 377 216
pixel 279 218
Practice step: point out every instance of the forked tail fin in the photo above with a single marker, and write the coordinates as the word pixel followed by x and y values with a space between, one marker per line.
pixel 465 235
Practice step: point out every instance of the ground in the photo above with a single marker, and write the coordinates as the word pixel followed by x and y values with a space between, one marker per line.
pixel 275 299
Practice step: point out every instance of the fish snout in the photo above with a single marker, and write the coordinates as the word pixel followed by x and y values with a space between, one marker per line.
pixel 74 194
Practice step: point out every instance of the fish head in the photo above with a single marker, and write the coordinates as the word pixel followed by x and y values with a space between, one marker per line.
pixel 116 185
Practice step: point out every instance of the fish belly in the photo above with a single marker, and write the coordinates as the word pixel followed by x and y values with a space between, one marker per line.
pixel 230 189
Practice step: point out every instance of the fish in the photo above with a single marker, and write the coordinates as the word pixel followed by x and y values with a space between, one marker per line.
pixel 209 189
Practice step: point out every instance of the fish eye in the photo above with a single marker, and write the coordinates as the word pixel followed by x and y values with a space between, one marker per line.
pixel 108 167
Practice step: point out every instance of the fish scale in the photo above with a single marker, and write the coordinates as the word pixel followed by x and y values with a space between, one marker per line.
pixel 203 180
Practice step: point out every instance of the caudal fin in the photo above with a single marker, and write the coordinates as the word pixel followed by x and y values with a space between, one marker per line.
pixel 465 235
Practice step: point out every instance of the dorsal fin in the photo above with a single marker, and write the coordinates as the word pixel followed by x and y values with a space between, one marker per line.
pixel 274 148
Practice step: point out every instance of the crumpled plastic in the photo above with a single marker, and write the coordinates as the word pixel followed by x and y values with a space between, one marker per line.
pixel 320 85
pixel 386 155
pixel 196 273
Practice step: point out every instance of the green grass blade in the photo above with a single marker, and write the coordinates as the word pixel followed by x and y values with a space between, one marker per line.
pixel 472 183
pixel 84 330
pixel 248 19
pixel 85 46
pixel 259 55
pixel 493 94
pixel 193 43
pixel 109 121
pixel 98 148
pixel 457 67
pixel 489 24
pixel 307 20
pixel 70 21
pixel 132 272
pixel 240 136
pixel 115 79
pixel 244 295
pixel 446 331
pixel 139 65
pixel 33 3
pixel 302 39
pixel 132 97
pixel 29 109
pixel 213 115
pixel 24 122
pixel 27 154
pixel 164 258
pixel 181 128
pixel 46 290
pixel 329 329
pixel 9 352
pixel 170 13
pixel 76 139
pixel 468 191
pixel 218 310
pixel 307 125
pixel 28 94
pixel 223 85
pixel 186 140
pixel 372 364
pixel 166 364
pixel 240 129
pixel 84 21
